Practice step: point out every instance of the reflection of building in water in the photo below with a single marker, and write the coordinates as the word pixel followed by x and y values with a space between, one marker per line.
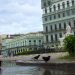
pixel 47 72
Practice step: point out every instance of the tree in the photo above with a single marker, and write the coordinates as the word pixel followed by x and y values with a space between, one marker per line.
pixel 69 44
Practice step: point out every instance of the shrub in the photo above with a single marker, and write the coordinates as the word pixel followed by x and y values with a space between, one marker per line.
pixel 69 44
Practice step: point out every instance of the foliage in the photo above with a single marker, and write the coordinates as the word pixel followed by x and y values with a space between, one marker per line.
pixel 69 44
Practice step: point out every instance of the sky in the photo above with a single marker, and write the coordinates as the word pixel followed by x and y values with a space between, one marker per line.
pixel 20 16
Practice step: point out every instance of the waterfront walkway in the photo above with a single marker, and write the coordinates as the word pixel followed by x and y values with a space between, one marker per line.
pixel 54 57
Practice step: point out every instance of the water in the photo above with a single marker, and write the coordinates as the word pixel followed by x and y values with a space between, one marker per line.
pixel 10 68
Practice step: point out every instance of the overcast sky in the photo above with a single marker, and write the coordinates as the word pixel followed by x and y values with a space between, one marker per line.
pixel 20 16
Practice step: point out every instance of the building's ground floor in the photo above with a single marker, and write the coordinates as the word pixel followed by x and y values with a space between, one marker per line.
pixel 16 50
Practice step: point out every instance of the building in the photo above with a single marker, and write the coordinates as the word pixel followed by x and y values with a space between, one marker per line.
pixel 0 44
pixel 56 15
pixel 31 41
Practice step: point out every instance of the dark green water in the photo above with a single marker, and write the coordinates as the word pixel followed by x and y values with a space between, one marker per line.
pixel 10 68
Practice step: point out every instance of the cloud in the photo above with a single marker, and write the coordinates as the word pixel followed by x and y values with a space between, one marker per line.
pixel 21 14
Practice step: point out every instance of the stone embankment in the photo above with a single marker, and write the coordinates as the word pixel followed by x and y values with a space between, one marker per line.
pixel 54 56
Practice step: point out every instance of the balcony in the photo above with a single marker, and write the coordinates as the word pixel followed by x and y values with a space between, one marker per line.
pixel 59 11
pixel 53 31
pixel 59 19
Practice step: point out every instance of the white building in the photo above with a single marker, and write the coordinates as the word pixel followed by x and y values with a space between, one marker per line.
pixel 31 41
pixel 56 15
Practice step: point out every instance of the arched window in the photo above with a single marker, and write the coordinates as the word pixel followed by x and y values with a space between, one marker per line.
pixel 29 42
pixel 39 42
pixel 34 42
pixel 54 7
pixel 68 4
pixel 58 6
pixel 63 5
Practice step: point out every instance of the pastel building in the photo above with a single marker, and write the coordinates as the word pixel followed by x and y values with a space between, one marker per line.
pixel 31 41
pixel 56 15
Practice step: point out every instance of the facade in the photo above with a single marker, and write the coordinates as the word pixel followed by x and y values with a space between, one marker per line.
pixel 0 44
pixel 56 15
pixel 31 41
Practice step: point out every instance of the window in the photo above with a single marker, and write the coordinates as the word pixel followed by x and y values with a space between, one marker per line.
pixel 44 4
pixel 54 8
pixel 59 25
pixel 58 6
pixel 60 35
pixel 46 38
pixel 51 38
pixel 34 42
pixel 63 5
pixel 74 23
pixel 63 14
pixel 64 25
pixel 45 18
pixel 72 2
pixel 51 28
pixel 45 10
pixel 73 11
pixel 58 15
pixel 74 32
pixel 69 23
pixel 39 42
pixel 29 42
pixel 68 4
pixel 50 17
pixel 56 37
pixel 54 16
pixel 25 42
pixel 46 29
pixel 49 2
pixel 55 27
pixel 68 13
pixel 50 9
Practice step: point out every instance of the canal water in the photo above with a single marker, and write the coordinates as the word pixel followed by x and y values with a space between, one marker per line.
pixel 10 68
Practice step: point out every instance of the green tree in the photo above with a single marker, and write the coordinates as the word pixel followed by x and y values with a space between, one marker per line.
pixel 69 44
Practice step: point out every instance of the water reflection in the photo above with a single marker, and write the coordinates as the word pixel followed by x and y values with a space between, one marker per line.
pixel 10 68
pixel 47 72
